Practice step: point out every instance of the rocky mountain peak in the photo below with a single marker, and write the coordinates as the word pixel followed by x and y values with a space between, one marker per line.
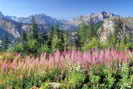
pixel 93 18
pixel 107 14
pixel 14 26
pixel 121 27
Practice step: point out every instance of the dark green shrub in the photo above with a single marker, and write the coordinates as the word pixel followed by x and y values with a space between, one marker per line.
pixel 74 80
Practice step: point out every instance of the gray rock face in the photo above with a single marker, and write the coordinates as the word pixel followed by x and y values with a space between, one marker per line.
pixel 10 28
pixel 40 19
pixel 92 18
pixel 13 27
pixel 122 27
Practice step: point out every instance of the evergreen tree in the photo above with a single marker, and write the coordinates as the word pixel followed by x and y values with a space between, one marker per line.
pixel 84 34
pixel 24 37
pixel 40 37
pixel 35 29
pixel 43 38
pixel 30 39
pixel 5 43
pixel 78 42
pixel 87 32
pixel 66 40
pixel 56 39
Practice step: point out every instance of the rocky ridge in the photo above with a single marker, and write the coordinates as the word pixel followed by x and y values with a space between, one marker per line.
pixel 13 27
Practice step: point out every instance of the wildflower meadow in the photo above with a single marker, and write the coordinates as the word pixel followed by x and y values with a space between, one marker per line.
pixel 94 69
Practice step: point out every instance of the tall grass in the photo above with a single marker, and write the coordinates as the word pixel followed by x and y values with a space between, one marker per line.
pixel 22 67
pixel 61 59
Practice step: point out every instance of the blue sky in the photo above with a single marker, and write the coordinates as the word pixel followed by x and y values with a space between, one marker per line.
pixel 65 8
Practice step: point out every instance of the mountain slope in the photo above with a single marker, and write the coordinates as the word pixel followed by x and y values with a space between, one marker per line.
pixel 16 25
pixel 121 27
pixel 92 18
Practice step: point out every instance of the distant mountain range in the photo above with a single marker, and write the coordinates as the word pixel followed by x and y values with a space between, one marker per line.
pixel 13 27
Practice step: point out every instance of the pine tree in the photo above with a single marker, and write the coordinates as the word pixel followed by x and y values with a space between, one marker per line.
pixel 66 40
pixel 84 34
pixel 56 39
pixel 5 43
pixel 87 32
pixel 35 30
pixel 33 41
pixel 30 39
pixel 24 37
pixel 41 37
pixel 78 42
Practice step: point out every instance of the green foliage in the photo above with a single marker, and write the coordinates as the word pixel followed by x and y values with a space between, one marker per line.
pixel 31 46
pixel 88 31
pixel 84 33
pixel 44 48
pixel 25 82
pixel 74 76
pixel 123 78
pixel 58 39
pixel 33 42
pixel 36 43
pixel 53 75
pixel 86 38
pixel 94 43
pixel 16 48
pixel 45 86
pixel 74 80
pixel 97 77
pixel 101 77
pixel 5 44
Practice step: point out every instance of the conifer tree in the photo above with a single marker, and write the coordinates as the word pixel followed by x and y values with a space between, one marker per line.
pixel 56 39
pixel 87 32
pixel 84 33
pixel 5 43
pixel 66 40
pixel 30 39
